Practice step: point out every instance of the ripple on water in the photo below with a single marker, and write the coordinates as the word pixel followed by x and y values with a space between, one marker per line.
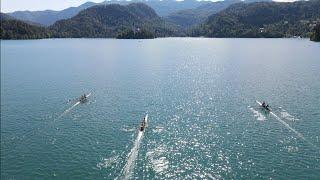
pixel 158 129
pixel 158 160
pixel 128 129
pixel 257 114
pixel 108 162
pixel 284 114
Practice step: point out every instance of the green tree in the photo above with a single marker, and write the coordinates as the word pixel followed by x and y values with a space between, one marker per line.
pixel 316 34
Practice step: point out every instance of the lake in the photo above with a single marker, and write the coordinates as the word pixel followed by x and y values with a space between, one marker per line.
pixel 200 95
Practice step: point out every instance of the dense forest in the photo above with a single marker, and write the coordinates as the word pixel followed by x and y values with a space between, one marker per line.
pixel 316 34
pixel 189 17
pixel 49 17
pixel 137 20
pixel 263 19
pixel 136 34
pixel 108 21
pixel 95 22
pixel 15 29
pixel 180 11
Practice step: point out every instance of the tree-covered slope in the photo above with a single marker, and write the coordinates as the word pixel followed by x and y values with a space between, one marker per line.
pixel 110 20
pixel 16 29
pixel 263 19
pixel 48 17
pixel 315 36
pixel 190 17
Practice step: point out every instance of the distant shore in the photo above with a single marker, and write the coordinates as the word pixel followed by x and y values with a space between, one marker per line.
pixel 302 38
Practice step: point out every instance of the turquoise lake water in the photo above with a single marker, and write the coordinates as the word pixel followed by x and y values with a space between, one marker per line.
pixel 199 93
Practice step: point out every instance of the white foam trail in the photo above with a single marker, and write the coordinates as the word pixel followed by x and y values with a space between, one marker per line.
pixel 293 130
pixel 66 111
pixel 158 159
pixel 132 156
pixel 108 162
pixel 287 116
pixel 258 115
pixel 73 106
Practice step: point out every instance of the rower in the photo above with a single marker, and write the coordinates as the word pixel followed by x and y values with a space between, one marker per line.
pixel 142 127
pixel 263 104
pixel 143 124
pixel 83 98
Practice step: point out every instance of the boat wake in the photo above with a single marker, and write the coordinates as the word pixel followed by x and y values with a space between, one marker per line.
pixel 108 162
pixel 73 106
pixel 257 114
pixel 158 159
pixel 293 130
pixel 132 156
pixel 287 116
pixel 69 109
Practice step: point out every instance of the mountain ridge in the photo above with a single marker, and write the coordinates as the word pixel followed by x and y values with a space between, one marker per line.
pixel 263 19
pixel 49 17
pixel 136 20
pixel 190 17
pixel 12 28
pixel 108 21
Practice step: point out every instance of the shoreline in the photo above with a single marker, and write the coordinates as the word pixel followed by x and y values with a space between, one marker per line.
pixel 177 37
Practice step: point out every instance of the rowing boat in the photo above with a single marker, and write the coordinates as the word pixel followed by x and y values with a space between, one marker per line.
pixel 144 123
pixel 265 107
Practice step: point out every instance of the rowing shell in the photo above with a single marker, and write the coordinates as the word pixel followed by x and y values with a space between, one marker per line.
pixel 85 99
pixel 145 123
pixel 260 104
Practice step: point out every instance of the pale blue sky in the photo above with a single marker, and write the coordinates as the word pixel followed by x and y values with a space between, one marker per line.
pixel 33 5
pixel 14 5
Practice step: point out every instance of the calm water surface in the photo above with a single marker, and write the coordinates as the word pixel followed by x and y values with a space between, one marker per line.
pixel 200 96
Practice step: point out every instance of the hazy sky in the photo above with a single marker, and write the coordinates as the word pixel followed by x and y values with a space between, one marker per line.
pixel 32 5
pixel 14 5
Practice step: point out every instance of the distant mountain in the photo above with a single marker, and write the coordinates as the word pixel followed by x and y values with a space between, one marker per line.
pixel 49 17
pixel 162 7
pixel 190 17
pixel 16 29
pixel 263 19
pixel 137 20
pixel 4 17
pixel 101 21
pixel 109 21
pixel 166 7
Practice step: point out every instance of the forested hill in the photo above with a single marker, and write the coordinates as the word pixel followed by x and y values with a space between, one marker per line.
pixel 4 17
pixel 263 19
pixel 315 36
pixel 137 20
pixel 16 29
pixel 189 17
pixel 100 21
pixel 49 17
pixel 110 20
